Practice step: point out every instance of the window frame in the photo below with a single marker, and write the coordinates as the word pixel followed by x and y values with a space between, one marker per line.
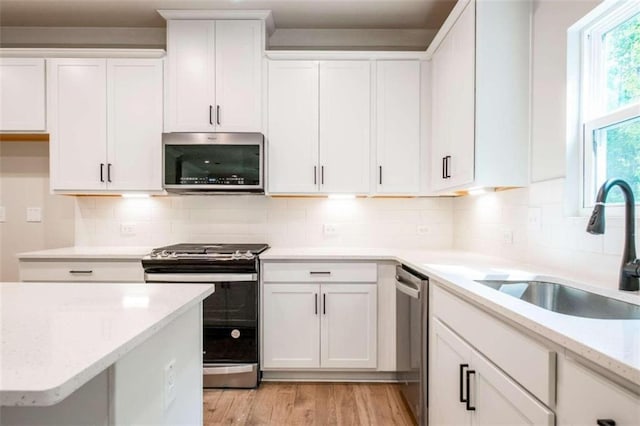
pixel 593 96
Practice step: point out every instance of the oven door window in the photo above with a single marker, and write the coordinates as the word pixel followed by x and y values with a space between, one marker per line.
pixel 234 304
pixel 232 165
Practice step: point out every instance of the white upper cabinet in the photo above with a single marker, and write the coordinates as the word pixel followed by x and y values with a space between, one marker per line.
pixel 480 96
pixel 398 127
pixel 214 75
pixel 22 94
pixel 238 76
pixel 345 126
pixel 191 76
pixel 293 126
pixel 105 120
pixel 77 97
pixel 319 121
pixel 134 124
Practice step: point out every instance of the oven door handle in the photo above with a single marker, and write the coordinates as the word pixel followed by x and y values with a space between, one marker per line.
pixel 233 369
pixel 406 288
pixel 198 278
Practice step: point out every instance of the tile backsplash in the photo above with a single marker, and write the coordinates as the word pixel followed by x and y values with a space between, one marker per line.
pixel 529 225
pixel 425 223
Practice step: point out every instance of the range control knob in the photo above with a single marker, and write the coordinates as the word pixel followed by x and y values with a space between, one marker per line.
pixel 248 254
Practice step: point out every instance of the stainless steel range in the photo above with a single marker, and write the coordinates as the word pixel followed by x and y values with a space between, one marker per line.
pixel 229 315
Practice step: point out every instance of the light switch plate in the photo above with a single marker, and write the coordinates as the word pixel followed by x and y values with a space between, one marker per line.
pixel 507 236
pixel 127 229
pixel 3 214
pixel 34 214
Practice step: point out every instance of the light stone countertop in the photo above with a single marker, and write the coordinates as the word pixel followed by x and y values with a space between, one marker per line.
pixel 611 344
pixel 79 252
pixel 55 337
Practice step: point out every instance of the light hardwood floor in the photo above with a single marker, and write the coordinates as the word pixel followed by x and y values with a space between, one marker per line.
pixel 308 404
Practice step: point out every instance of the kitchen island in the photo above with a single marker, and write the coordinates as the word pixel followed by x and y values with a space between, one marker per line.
pixel 101 354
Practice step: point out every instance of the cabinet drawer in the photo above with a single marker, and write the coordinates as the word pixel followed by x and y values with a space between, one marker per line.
pixel 528 362
pixel 283 272
pixel 585 396
pixel 103 271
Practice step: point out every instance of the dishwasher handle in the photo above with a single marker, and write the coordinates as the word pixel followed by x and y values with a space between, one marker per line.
pixel 407 288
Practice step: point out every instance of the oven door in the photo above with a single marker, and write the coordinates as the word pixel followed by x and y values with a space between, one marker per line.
pixel 230 326
pixel 218 162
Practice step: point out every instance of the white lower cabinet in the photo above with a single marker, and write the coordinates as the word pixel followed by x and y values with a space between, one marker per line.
pixel 467 389
pixel 309 326
pixel 588 398
pixel 291 326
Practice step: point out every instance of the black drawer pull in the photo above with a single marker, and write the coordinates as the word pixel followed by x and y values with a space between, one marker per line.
pixel 81 271
pixel 320 272
pixel 462 367
pixel 606 422
pixel 468 374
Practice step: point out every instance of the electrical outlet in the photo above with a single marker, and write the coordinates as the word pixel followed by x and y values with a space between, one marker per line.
pixel 507 236
pixel 34 214
pixel 423 230
pixel 3 214
pixel 329 230
pixel 170 391
pixel 534 218
pixel 127 229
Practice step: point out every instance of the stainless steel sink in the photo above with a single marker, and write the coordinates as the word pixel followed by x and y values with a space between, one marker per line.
pixel 566 300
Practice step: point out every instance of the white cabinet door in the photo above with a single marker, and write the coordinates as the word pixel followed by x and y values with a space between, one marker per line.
pixel 291 327
pixel 449 358
pixel 22 89
pixel 134 118
pixel 498 400
pixel 462 115
pixel 292 130
pixel 238 76
pixel 191 76
pixel 77 103
pixel 584 397
pixel 345 120
pixel 349 326
pixel 398 127
pixel 453 105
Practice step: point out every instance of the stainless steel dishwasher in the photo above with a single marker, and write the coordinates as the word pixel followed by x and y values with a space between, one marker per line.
pixel 412 314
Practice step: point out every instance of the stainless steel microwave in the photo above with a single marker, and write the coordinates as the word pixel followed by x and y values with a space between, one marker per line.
pixel 199 163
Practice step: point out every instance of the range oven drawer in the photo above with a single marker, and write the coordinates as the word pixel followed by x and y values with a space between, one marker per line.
pixel 230 344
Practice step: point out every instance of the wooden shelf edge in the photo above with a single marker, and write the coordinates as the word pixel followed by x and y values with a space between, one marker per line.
pixel 24 137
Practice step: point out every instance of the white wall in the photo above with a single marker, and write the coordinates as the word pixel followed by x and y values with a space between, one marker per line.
pixel 292 222
pixel 24 182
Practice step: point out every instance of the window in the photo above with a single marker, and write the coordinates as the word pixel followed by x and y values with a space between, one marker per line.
pixel 610 103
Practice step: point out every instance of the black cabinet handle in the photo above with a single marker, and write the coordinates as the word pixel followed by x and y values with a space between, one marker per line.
pixel 101 172
pixel 448 166
pixel 380 173
pixel 322 175
pixel 218 114
pixel 462 367
pixel 315 175
pixel 77 271
pixel 211 114
pixel 109 172
pixel 444 167
pixel 316 303
pixel 324 303
pixel 319 272
pixel 606 422
pixel 468 401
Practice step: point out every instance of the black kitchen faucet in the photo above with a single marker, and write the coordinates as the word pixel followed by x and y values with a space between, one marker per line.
pixel 630 267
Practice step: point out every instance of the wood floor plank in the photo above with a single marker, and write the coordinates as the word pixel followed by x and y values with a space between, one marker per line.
pixel 318 404
pixel 325 405
pixel 263 405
